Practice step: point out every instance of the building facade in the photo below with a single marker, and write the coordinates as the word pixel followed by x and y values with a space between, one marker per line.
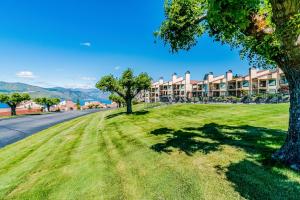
pixel 93 104
pixel 67 105
pixel 183 88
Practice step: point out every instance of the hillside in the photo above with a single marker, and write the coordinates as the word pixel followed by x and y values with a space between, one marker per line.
pixel 58 92
pixel 171 152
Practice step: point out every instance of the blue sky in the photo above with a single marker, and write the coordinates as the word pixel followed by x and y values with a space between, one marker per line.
pixel 72 43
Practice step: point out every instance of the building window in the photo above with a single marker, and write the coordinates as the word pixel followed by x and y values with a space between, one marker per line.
pixel 283 80
pixel 272 82
pixel 222 85
pixel 245 83
pixel 263 84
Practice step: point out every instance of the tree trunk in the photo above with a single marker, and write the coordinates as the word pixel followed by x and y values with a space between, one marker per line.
pixel 129 106
pixel 13 110
pixel 284 12
pixel 48 108
pixel 289 153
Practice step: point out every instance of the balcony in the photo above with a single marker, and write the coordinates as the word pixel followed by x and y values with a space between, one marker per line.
pixel 263 84
pixel 239 85
pixel 231 87
pixel 215 87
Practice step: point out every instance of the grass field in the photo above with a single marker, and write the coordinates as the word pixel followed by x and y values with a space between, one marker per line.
pixel 173 152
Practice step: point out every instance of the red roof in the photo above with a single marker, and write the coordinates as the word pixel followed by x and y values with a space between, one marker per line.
pixel 194 82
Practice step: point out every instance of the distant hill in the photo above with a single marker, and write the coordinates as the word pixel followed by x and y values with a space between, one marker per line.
pixel 57 92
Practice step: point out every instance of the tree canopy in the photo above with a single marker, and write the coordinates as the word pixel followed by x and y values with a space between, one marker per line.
pixel 14 100
pixel 127 86
pixel 47 102
pixel 263 30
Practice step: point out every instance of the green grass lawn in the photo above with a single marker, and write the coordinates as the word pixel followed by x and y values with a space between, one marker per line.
pixel 172 152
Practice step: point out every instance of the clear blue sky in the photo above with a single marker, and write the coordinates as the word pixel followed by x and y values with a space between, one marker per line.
pixel 72 43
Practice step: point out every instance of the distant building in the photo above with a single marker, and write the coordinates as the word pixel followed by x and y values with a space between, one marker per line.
pixel 93 104
pixel 29 105
pixel 255 82
pixel 24 108
pixel 67 105
pixel 112 105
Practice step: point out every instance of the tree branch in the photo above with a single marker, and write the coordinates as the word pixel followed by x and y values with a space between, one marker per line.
pixel 298 41
pixel 137 92
pixel 259 27
pixel 120 94
pixel 201 18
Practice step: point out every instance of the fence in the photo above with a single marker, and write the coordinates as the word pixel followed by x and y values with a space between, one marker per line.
pixel 20 111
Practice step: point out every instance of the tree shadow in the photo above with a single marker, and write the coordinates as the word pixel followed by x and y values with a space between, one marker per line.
pixel 254 140
pixel 161 131
pixel 254 177
pixel 253 181
pixel 137 113
pixel 141 112
pixel 183 141
pixel 115 115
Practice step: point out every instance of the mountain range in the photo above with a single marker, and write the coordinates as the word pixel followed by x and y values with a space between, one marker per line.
pixel 56 92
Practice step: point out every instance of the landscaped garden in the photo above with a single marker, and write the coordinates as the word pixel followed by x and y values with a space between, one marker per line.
pixel 170 152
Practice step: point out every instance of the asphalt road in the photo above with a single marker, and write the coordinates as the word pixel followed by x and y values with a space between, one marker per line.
pixel 15 129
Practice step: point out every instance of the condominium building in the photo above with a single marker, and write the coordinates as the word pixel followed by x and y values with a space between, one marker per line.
pixel 255 82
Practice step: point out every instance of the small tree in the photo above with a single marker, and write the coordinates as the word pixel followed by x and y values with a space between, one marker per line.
pixel 47 102
pixel 14 100
pixel 127 87
pixel 116 98
pixel 78 104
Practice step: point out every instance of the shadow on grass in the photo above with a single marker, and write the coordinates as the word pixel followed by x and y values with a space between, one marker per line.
pixel 254 182
pixel 184 141
pixel 137 113
pixel 252 179
pixel 253 140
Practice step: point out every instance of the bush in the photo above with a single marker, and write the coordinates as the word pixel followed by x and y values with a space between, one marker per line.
pixel 135 102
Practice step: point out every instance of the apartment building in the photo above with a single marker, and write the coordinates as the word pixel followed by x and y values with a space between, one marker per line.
pixel 183 88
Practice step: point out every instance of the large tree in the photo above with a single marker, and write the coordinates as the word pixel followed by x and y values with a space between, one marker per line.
pixel 14 100
pixel 127 86
pixel 267 32
pixel 47 102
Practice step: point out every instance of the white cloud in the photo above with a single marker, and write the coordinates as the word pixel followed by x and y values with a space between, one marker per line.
pixel 86 44
pixel 87 78
pixel 117 67
pixel 25 74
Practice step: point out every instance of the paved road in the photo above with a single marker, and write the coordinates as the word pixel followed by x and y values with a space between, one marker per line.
pixel 13 130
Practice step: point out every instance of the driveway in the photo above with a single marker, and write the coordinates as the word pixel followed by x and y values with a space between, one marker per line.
pixel 15 129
